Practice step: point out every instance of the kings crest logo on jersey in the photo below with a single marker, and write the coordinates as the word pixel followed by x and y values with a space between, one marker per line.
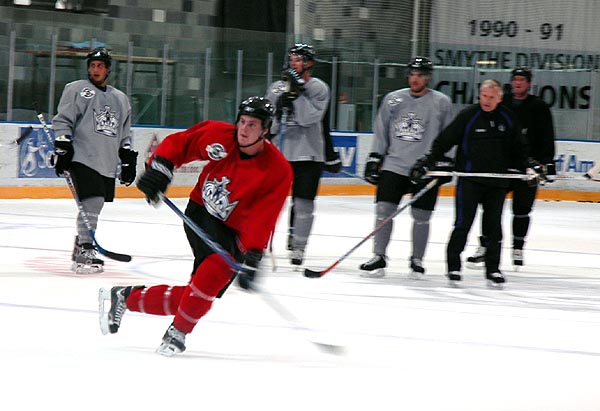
pixel 394 101
pixel 106 122
pixel 87 92
pixel 216 151
pixel 216 198
pixel 409 128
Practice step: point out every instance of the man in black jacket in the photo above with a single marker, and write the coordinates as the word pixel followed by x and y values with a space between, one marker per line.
pixel 489 140
pixel 538 130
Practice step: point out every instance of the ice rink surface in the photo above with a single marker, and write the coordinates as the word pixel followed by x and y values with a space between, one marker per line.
pixel 409 344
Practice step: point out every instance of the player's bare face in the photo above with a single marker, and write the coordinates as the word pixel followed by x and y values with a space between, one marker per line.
pixel 98 72
pixel 520 87
pixel 296 62
pixel 417 82
pixel 489 98
pixel 249 135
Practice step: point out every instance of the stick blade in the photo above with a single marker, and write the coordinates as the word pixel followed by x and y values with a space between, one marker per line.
pixel 114 256
pixel 330 348
pixel 312 274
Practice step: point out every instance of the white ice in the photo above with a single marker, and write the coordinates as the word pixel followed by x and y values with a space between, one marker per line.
pixel 409 344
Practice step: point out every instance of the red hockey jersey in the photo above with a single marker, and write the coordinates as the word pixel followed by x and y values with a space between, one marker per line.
pixel 246 193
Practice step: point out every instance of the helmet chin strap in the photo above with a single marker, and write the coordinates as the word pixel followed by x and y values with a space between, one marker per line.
pixel 258 140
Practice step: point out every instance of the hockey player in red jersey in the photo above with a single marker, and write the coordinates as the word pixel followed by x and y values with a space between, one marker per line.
pixel 237 200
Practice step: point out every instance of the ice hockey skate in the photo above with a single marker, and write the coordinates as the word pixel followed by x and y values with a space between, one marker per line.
pixel 495 280
pixel 477 260
pixel 85 261
pixel 454 278
pixel 173 342
pixel 375 267
pixel 416 268
pixel 517 257
pixel 110 320
pixel 297 257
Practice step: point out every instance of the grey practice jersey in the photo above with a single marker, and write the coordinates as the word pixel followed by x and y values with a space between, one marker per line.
pixel 406 126
pixel 98 123
pixel 303 139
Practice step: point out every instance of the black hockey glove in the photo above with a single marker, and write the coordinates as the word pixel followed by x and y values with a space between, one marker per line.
pixel 373 168
pixel 63 154
pixel 550 170
pixel 295 81
pixel 536 173
pixel 419 170
pixel 156 178
pixel 333 164
pixel 445 164
pixel 285 102
pixel 246 275
pixel 128 165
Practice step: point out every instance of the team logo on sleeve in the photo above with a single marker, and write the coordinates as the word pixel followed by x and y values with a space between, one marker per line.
pixel 216 198
pixel 216 151
pixel 106 121
pixel 409 128
pixel 87 92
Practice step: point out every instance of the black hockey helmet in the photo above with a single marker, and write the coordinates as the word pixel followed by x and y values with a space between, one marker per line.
pixel 258 107
pixel 418 63
pixel 101 54
pixel 522 71
pixel 301 49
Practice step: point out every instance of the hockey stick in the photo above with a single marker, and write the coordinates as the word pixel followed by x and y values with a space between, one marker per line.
pixel 317 274
pixel 110 254
pixel 282 127
pixel 235 266
pixel 485 175
pixel 551 178
pixel 20 139
pixel 592 172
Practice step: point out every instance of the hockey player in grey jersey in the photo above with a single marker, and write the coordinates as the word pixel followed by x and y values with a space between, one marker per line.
pixel 407 122
pixel 301 102
pixel 92 126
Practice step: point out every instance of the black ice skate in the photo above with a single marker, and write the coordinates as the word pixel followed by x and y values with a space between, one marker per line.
pixel 495 280
pixel 297 257
pixel 375 267
pixel 86 262
pixel 517 256
pixel 110 320
pixel 416 267
pixel 173 342
pixel 454 278
pixel 477 260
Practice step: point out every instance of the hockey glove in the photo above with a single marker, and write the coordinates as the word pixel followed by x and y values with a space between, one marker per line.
pixel 294 81
pixel 550 170
pixel 156 178
pixel 333 164
pixel 246 275
pixel 285 102
pixel 63 154
pixel 373 168
pixel 445 164
pixel 128 165
pixel 536 173
pixel 419 170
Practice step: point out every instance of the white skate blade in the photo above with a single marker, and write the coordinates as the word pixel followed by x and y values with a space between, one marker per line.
pixel 167 350
pixel 377 273
pixel 494 286
pixel 453 283
pixel 416 275
pixel 80 268
pixel 103 296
